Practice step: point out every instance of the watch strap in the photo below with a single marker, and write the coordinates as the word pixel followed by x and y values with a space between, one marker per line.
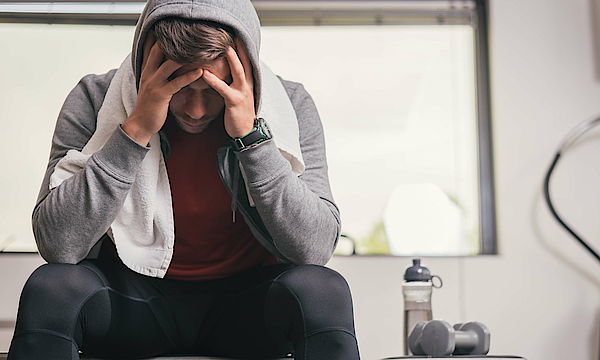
pixel 260 133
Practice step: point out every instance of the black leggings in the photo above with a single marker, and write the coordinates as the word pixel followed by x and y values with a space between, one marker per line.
pixel 103 309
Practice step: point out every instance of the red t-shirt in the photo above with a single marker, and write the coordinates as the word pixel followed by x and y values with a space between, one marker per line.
pixel 208 244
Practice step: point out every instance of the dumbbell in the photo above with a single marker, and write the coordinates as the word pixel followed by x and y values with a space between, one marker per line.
pixel 438 338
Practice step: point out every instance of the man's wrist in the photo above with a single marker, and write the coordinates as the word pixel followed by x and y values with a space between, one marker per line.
pixel 241 132
pixel 260 133
pixel 136 132
pixel 122 155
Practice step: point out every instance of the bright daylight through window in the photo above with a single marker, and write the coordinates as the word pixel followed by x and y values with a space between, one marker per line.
pixel 399 106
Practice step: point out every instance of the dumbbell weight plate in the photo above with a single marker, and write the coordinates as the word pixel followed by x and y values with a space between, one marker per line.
pixel 482 344
pixel 414 339
pixel 437 338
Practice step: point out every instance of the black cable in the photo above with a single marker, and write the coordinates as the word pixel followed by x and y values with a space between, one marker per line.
pixel 352 241
pixel 547 194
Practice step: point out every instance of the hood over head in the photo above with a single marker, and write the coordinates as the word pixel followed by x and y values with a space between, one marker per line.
pixel 237 14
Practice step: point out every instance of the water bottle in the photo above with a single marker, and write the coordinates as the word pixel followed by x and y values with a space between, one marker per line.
pixel 416 288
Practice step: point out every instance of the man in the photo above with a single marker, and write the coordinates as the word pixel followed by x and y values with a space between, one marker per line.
pixel 177 273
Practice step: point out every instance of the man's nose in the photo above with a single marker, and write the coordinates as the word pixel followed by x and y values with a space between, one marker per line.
pixel 194 104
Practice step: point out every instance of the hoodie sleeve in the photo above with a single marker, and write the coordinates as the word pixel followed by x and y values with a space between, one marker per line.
pixel 298 211
pixel 70 219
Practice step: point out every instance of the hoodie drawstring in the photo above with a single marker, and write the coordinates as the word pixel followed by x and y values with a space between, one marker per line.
pixel 236 182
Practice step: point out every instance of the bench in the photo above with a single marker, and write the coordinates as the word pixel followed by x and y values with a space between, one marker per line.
pixel 4 355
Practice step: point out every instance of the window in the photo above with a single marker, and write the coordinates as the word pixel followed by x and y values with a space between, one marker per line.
pixel 45 62
pixel 402 91
pixel 401 86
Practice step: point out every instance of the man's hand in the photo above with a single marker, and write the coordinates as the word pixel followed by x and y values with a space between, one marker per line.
pixel 239 95
pixel 155 92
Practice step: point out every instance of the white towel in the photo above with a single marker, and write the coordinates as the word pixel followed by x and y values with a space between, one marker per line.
pixel 143 231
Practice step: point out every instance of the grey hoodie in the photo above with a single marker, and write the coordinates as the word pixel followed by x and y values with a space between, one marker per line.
pixel 294 217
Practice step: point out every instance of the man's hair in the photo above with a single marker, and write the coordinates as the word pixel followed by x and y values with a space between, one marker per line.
pixel 188 41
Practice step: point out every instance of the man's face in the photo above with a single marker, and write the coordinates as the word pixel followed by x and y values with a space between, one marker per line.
pixel 195 106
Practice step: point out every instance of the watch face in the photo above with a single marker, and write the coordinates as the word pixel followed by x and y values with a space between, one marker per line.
pixel 265 128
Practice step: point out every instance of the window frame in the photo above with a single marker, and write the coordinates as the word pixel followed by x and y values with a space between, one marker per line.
pixel 330 12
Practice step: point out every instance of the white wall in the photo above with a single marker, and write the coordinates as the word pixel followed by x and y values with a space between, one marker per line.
pixel 540 297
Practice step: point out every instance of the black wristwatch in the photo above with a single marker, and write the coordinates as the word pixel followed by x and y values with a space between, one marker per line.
pixel 259 133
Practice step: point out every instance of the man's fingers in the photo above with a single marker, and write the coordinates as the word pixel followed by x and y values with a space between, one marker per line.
pixel 184 80
pixel 241 51
pixel 237 69
pixel 155 58
pixel 150 40
pixel 219 85
pixel 166 69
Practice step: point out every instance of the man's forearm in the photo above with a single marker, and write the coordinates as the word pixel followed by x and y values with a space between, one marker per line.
pixel 304 225
pixel 70 219
pixel 74 215
pixel 299 212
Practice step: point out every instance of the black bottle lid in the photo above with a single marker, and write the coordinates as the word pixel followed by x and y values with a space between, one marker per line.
pixel 417 272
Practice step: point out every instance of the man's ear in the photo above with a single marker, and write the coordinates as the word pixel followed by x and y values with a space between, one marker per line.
pixel 148 43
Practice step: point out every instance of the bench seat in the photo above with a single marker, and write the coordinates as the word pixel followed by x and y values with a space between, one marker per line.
pixel 4 355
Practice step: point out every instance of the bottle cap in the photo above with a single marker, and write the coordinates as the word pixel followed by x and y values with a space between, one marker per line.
pixel 417 272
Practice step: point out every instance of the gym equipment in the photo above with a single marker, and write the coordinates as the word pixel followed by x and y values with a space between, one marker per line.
pixel 416 288
pixel 438 338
